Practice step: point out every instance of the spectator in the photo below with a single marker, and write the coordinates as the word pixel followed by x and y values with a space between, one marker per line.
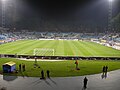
pixel 42 74
pixel 85 82
pixel 48 73
pixel 19 67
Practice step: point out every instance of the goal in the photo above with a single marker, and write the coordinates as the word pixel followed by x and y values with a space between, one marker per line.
pixel 44 52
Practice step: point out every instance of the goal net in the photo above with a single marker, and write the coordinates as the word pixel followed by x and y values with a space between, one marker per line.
pixel 44 52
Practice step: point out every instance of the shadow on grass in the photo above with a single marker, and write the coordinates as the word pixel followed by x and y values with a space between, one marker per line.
pixel 23 74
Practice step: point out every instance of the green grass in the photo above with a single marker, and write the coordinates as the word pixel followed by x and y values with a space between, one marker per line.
pixel 62 48
pixel 63 68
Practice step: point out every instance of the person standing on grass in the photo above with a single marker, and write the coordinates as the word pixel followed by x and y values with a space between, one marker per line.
pixel 104 69
pixel 23 66
pixel 42 74
pixel 76 62
pixel 20 67
pixel 35 60
pixel 48 73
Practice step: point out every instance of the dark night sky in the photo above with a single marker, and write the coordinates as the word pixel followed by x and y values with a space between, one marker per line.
pixel 56 7
pixel 67 12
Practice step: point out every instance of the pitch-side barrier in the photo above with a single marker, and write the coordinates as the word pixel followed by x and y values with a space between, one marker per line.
pixel 58 57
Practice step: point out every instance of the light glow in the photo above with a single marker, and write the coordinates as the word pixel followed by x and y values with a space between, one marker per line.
pixel 110 0
pixel 3 0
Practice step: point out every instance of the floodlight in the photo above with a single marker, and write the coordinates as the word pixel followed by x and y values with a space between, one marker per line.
pixel 3 0
pixel 110 0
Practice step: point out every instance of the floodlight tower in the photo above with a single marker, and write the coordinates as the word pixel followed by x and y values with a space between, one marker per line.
pixel 3 14
pixel 110 16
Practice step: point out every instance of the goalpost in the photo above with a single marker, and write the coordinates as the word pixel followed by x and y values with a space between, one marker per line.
pixel 44 52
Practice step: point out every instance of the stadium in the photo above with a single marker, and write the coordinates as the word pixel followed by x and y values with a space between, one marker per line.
pixel 64 46
pixel 34 44
pixel 59 45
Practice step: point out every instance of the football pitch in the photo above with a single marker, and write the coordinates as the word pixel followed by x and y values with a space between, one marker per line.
pixel 61 48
